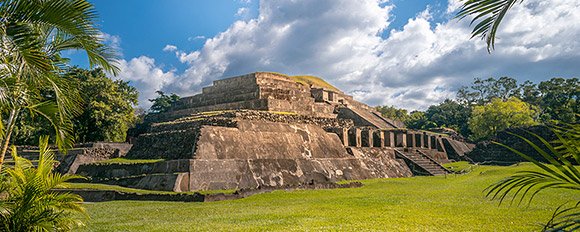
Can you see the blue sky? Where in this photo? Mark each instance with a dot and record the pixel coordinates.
(404, 53)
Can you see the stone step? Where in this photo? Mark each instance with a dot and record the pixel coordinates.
(425, 163)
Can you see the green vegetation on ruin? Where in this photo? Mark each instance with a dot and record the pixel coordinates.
(312, 80)
(307, 80)
(434, 203)
(123, 160)
(280, 112)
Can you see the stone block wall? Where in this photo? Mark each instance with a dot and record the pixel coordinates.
(179, 139)
(255, 91)
(117, 170)
(274, 92)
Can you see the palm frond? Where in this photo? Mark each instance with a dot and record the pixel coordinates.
(489, 13)
(60, 122)
(560, 174)
(565, 218)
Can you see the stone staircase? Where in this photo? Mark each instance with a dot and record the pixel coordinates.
(421, 164)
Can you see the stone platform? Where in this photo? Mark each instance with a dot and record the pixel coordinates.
(243, 149)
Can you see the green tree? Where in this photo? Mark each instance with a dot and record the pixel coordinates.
(450, 114)
(530, 93)
(489, 13)
(29, 204)
(499, 115)
(417, 120)
(481, 92)
(108, 106)
(162, 103)
(558, 99)
(29, 129)
(33, 33)
(392, 112)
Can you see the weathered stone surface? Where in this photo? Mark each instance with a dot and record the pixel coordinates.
(254, 153)
(176, 182)
(79, 156)
(116, 170)
(382, 160)
(70, 163)
(457, 149)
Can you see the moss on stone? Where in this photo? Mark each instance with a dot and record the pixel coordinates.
(307, 80)
(312, 80)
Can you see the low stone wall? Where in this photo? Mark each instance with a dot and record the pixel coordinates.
(113, 170)
(175, 182)
(70, 163)
(487, 152)
(120, 148)
(229, 119)
(96, 195)
(79, 156)
(179, 144)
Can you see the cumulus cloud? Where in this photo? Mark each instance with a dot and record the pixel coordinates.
(146, 76)
(169, 48)
(340, 41)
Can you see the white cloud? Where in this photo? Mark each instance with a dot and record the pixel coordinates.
(339, 40)
(195, 37)
(113, 41)
(144, 75)
(243, 13)
(169, 48)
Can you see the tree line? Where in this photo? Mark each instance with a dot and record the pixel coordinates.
(109, 109)
(487, 106)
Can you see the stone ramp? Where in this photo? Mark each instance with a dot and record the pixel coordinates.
(362, 117)
(422, 164)
(457, 149)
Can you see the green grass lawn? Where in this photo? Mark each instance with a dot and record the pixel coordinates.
(452, 203)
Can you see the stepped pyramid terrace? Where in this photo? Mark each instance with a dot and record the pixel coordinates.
(269, 129)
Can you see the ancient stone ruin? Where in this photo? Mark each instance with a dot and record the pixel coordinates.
(269, 129)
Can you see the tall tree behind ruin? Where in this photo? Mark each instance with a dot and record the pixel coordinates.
(33, 34)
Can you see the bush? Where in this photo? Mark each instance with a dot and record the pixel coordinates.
(28, 204)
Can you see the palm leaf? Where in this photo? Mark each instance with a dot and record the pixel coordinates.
(30, 205)
(489, 13)
(562, 174)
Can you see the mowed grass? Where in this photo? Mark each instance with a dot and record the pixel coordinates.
(452, 203)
